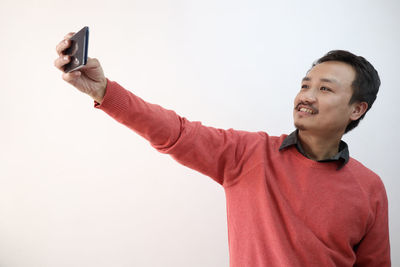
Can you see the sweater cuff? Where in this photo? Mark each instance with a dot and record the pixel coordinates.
(114, 98)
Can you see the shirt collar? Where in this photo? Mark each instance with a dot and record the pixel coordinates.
(342, 156)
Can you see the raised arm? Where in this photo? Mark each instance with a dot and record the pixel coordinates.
(220, 154)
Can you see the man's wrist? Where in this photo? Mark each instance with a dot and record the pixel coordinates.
(101, 92)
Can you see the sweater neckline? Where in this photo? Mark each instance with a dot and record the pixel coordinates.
(312, 163)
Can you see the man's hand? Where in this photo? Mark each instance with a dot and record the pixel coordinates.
(89, 79)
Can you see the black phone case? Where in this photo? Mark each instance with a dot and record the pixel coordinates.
(78, 50)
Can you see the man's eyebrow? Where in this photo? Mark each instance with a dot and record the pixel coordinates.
(306, 79)
(329, 80)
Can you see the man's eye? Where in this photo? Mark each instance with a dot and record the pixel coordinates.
(304, 86)
(323, 88)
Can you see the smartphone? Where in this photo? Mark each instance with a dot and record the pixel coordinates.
(78, 50)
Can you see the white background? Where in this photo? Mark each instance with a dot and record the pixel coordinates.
(79, 189)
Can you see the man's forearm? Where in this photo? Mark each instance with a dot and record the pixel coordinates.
(161, 127)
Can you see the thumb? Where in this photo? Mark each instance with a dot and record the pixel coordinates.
(92, 63)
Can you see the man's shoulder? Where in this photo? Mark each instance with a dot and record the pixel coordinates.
(258, 142)
(358, 168)
(367, 178)
(273, 141)
(261, 135)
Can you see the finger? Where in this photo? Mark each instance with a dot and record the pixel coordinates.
(64, 44)
(61, 61)
(71, 76)
(69, 35)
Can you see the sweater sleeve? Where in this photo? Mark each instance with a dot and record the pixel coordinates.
(374, 249)
(216, 153)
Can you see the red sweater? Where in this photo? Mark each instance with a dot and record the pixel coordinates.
(283, 208)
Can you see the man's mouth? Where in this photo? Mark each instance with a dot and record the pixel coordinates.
(306, 109)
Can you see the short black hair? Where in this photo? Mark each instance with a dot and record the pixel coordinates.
(366, 82)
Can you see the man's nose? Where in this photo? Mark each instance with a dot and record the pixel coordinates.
(309, 96)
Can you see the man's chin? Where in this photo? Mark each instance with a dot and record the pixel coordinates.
(300, 126)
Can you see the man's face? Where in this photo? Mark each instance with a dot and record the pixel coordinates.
(322, 104)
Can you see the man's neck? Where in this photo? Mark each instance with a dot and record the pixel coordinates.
(319, 147)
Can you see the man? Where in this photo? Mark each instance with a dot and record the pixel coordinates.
(292, 200)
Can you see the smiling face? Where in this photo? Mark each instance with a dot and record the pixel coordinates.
(322, 104)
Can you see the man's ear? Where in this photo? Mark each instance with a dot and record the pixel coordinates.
(359, 108)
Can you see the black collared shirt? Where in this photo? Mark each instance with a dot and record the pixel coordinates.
(342, 156)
